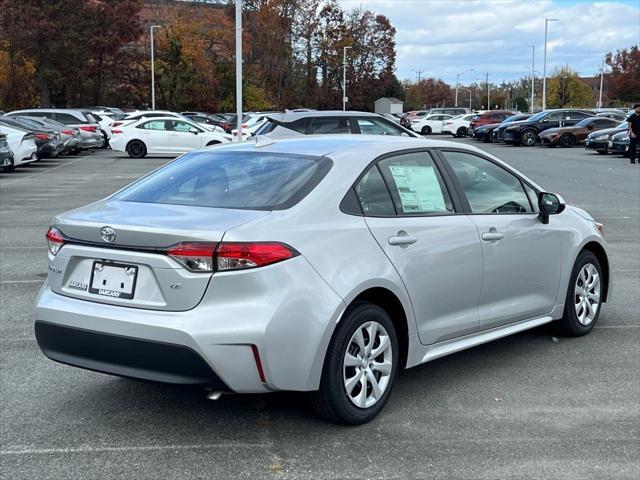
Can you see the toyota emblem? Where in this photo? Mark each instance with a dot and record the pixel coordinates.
(108, 234)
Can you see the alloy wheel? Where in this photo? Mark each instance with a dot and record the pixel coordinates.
(528, 139)
(367, 364)
(587, 294)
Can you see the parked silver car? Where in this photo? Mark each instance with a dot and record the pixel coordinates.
(90, 134)
(320, 264)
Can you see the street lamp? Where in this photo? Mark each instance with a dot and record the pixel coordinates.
(533, 75)
(239, 69)
(458, 82)
(344, 77)
(562, 102)
(466, 89)
(544, 70)
(153, 73)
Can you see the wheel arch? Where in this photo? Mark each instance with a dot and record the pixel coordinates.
(600, 253)
(390, 303)
(130, 141)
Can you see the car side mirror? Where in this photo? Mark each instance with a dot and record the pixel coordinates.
(193, 130)
(545, 120)
(549, 204)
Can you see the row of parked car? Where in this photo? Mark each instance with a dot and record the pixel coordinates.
(603, 130)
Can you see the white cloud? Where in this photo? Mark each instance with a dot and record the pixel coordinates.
(443, 38)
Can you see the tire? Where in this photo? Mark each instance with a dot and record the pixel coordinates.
(461, 132)
(578, 319)
(136, 149)
(602, 152)
(105, 139)
(426, 130)
(567, 140)
(8, 168)
(528, 138)
(332, 401)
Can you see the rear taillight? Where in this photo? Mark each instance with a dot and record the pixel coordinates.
(236, 256)
(194, 256)
(116, 124)
(88, 128)
(226, 256)
(114, 131)
(55, 240)
(67, 132)
(42, 136)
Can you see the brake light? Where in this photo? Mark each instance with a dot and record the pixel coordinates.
(42, 136)
(194, 256)
(67, 132)
(237, 256)
(88, 128)
(116, 131)
(226, 256)
(55, 240)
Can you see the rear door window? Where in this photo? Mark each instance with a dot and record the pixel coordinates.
(238, 180)
(330, 125)
(65, 118)
(155, 125)
(416, 185)
(373, 194)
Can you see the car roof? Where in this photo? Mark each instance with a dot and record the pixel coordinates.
(290, 117)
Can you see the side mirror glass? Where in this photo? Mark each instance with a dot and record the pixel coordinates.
(193, 130)
(549, 204)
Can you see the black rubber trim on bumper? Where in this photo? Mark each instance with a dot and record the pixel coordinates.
(125, 356)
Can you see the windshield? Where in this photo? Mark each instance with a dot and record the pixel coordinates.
(242, 180)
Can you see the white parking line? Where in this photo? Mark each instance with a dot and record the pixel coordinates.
(135, 448)
(617, 326)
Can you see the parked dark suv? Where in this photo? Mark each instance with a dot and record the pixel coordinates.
(526, 132)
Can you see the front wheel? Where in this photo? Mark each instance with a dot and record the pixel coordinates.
(136, 149)
(584, 296)
(360, 367)
(528, 138)
(567, 140)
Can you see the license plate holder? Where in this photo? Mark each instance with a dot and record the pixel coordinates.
(115, 280)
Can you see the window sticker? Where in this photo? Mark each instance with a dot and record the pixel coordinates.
(418, 187)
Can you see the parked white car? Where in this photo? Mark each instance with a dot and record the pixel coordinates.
(429, 124)
(105, 120)
(457, 126)
(164, 135)
(22, 144)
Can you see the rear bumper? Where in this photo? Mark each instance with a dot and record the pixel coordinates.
(125, 356)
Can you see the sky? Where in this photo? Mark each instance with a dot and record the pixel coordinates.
(446, 37)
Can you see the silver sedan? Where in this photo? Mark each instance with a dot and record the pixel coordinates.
(318, 264)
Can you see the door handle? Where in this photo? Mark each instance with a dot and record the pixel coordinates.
(402, 239)
(492, 236)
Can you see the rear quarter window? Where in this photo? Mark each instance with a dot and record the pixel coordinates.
(237, 180)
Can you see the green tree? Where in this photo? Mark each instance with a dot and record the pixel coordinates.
(566, 89)
(521, 104)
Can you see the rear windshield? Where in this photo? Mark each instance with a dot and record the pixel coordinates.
(241, 180)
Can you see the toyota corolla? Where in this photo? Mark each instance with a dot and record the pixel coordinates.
(320, 264)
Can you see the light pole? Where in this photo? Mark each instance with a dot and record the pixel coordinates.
(544, 69)
(562, 101)
(239, 69)
(466, 89)
(344, 77)
(153, 72)
(458, 82)
(533, 75)
(486, 76)
(601, 82)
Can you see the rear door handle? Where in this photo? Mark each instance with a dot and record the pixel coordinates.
(402, 240)
(492, 236)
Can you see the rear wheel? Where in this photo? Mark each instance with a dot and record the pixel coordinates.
(360, 367)
(528, 138)
(584, 296)
(462, 132)
(136, 149)
(567, 140)
(8, 168)
(426, 130)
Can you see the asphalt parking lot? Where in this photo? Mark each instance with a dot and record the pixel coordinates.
(528, 406)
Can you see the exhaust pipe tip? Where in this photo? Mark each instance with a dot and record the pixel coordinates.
(215, 395)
